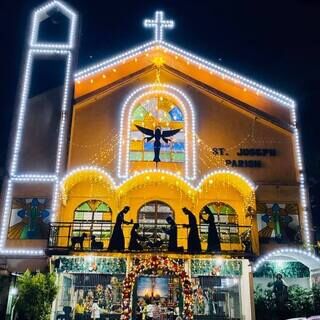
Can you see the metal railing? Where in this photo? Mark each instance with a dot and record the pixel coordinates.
(70, 235)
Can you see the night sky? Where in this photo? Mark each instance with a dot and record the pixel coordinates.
(276, 43)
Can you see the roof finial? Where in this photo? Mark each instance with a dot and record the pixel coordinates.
(158, 23)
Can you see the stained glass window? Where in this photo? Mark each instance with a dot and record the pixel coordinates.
(94, 218)
(152, 219)
(151, 114)
(226, 221)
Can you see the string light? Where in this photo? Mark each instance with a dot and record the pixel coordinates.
(189, 115)
(37, 49)
(158, 24)
(285, 251)
(40, 14)
(194, 187)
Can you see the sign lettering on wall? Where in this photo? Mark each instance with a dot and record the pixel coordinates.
(245, 153)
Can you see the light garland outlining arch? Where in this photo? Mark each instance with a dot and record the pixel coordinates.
(36, 49)
(189, 116)
(196, 187)
(289, 252)
(190, 189)
(154, 264)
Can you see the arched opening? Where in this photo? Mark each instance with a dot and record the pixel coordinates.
(152, 220)
(152, 113)
(226, 220)
(154, 266)
(163, 108)
(287, 283)
(93, 217)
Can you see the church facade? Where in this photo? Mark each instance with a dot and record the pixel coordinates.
(152, 177)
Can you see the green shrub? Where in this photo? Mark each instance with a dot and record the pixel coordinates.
(36, 294)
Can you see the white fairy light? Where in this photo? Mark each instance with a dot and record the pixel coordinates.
(212, 68)
(158, 24)
(284, 251)
(43, 49)
(189, 116)
(192, 185)
(40, 14)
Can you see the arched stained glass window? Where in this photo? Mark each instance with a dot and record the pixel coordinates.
(226, 220)
(94, 218)
(152, 219)
(157, 112)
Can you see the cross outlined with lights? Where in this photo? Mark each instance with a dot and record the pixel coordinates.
(158, 23)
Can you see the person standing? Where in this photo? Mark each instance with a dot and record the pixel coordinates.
(213, 237)
(95, 310)
(194, 244)
(117, 238)
(156, 311)
(149, 311)
(79, 310)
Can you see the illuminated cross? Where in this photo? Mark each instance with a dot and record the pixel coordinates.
(158, 23)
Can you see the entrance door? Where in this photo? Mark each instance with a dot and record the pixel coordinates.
(157, 295)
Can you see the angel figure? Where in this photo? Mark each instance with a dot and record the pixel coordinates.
(157, 135)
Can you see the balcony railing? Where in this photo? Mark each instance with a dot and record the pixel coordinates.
(63, 235)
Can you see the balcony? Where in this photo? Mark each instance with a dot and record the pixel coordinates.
(235, 240)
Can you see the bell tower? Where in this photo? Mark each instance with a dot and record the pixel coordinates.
(40, 131)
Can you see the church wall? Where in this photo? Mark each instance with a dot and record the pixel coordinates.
(40, 133)
(219, 125)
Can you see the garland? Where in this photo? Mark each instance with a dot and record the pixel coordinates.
(154, 265)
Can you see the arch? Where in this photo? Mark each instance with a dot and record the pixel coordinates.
(84, 173)
(153, 176)
(229, 177)
(93, 217)
(189, 116)
(305, 257)
(152, 265)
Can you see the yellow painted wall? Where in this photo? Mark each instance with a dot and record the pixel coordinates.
(219, 124)
(141, 190)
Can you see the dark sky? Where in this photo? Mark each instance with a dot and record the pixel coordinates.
(273, 42)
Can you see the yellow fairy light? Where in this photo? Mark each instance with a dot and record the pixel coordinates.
(158, 61)
(91, 80)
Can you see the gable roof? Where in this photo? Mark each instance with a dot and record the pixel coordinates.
(201, 63)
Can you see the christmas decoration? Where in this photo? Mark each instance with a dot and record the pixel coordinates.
(156, 265)
(215, 267)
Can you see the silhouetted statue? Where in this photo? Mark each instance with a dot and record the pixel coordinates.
(280, 290)
(213, 237)
(173, 234)
(157, 135)
(135, 239)
(117, 239)
(194, 244)
(78, 240)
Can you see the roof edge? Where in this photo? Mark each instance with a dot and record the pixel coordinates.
(201, 62)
